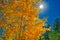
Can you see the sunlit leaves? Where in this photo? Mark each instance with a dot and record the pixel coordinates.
(22, 22)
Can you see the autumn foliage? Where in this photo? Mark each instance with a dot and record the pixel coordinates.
(21, 19)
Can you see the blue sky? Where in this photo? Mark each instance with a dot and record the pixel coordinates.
(53, 11)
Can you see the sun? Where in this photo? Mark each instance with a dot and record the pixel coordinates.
(41, 6)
